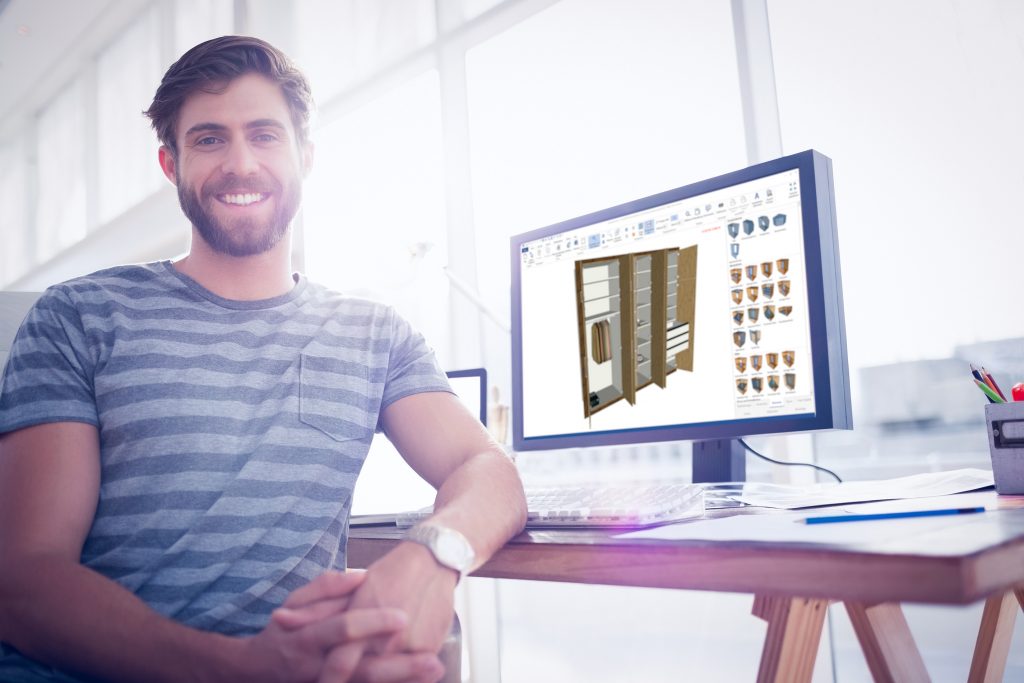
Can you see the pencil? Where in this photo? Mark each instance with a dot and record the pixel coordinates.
(993, 397)
(991, 381)
(977, 375)
(892, 515)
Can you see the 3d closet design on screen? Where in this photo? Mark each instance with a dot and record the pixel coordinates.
(636, 327)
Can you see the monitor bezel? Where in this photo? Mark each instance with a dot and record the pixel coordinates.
(827, 325)
(481, 375)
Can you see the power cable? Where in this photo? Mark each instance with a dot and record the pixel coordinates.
(789, 464)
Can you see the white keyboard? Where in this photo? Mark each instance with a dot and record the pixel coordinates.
(613, 504)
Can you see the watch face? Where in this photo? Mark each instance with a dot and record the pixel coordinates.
(453, 549)
(449, 547)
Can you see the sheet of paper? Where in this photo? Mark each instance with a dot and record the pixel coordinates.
(960, 500)
(790, 528)
(915, 486)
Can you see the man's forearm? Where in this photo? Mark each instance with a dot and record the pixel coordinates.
(478, 494)
(483, 498)
(65, 615)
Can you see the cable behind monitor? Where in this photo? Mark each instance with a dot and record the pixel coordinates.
(789, 464)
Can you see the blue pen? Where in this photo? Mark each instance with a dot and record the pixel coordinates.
(893, 515)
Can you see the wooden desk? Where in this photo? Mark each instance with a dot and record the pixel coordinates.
(974, 557)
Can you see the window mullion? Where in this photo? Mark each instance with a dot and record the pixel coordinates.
(757, 80)
(90, 144)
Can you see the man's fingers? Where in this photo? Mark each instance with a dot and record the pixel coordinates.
(330, 584)
(421, 667)
(341, 663)
(356, 624)
(291, 618)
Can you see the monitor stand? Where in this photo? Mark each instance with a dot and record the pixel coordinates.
(719, 460)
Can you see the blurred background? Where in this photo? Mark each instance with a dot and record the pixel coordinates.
(445, 126)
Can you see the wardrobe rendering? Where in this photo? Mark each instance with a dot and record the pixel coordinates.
(636, 328)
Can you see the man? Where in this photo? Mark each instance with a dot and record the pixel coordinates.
(180, 440)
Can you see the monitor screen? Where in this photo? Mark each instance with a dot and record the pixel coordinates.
(710, 311)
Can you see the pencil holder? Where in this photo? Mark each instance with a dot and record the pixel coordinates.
(1005, 423)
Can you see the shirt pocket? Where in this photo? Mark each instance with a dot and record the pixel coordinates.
(336, 397)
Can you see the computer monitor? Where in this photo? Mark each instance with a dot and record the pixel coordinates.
(471, 388)
(704, 313)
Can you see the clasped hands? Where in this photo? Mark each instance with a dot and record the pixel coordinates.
(384, 625)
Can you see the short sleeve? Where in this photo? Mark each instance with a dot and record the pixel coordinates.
(412, 366)
(48, 376)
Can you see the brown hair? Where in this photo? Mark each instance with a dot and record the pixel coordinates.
(210, 66)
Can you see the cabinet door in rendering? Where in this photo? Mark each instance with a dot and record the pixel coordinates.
(599, 307)
(635, 322)
(680, 324)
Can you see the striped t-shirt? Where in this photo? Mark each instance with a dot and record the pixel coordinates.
(231, 432)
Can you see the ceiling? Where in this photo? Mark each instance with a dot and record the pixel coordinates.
(45, 43)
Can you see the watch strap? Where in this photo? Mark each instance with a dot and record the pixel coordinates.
(430, 536)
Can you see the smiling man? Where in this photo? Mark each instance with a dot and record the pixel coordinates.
(255, 190)
(179, 441)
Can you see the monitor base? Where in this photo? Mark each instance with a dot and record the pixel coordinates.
(719, 460)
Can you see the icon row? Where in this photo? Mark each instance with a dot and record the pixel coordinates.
(757, 383)
(763, 222)
(767, 291)
(772, 359)
(736, 274)
(753, 314)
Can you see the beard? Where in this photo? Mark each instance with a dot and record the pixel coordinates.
(243, 236)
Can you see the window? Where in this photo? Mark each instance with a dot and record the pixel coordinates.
(15, 257)
(199, 20)
(364, 36)
(473, 8)
(374, 215)
(921, 186)
(60, 202)
(127, 73)
(926, 163)
(590, 104)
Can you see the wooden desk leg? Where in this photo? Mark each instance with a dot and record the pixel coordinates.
(887, 642)
(791, 644)
(994, 637)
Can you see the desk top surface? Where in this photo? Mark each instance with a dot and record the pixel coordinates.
(951, 560)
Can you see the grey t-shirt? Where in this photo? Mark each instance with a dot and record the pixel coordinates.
(231, 432)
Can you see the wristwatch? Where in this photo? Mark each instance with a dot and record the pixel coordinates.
(450, 548)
